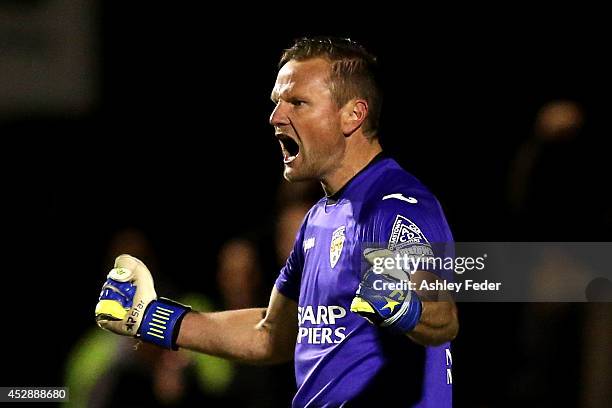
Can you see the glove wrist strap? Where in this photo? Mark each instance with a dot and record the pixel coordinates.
(162, 321)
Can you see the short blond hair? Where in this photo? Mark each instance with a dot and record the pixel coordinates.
(354, 72)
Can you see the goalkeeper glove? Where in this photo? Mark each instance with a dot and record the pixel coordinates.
(128, 305)
(384, 298)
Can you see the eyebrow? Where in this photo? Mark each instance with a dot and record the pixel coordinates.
(288, 93)
(275, 95)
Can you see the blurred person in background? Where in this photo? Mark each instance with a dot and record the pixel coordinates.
(243, 284)
(537, 175)
(560, 346)
(100, 363)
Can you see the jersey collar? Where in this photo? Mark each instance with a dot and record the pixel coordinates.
(333, 199)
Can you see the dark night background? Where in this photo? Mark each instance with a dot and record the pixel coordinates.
(176, 143)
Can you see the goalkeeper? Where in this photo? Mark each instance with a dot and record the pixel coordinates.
(346, 335)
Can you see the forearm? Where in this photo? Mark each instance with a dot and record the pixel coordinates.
(438, 324)
(258, 336)
(242, 335)
(128, 305)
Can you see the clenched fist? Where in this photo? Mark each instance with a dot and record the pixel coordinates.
(128, 305)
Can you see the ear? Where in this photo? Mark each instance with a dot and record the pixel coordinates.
(353, 114)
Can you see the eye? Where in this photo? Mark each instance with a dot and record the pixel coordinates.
(298, 102)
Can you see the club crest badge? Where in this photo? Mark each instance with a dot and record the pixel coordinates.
(337, 242)
(404, 233)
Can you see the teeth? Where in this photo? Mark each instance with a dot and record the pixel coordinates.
(287, 158)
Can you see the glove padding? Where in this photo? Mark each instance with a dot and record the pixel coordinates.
(398, 309)
(125, 296)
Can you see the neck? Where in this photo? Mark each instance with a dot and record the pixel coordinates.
(356, 158)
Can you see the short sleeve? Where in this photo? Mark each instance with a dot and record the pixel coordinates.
(413, 226)
(290, 276)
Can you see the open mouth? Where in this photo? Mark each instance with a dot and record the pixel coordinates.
(289, 147)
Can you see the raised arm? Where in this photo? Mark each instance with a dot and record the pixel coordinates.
(128, 305)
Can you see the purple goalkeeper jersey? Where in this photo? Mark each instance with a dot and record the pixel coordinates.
(340, 358)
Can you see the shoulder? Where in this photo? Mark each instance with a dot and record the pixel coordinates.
(311, 216)
(314, 211)
(397, 190)
(398, 202)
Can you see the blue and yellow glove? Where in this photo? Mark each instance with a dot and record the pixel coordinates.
(128, 305)
(385, 298)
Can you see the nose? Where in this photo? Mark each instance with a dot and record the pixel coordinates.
(278, 117)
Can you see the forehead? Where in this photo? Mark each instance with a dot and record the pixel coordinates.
(305, 76)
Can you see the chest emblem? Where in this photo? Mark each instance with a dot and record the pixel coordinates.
(337, 242)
